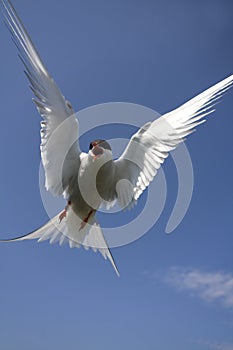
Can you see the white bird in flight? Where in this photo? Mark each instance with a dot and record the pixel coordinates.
(88, 180)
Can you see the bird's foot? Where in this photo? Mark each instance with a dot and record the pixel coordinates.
(84, 222)
(63, 213)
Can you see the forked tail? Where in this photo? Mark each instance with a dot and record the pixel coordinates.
(68, 231)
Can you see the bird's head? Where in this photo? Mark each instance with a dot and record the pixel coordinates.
(100, 148)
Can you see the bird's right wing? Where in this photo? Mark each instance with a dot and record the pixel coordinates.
(59, 128)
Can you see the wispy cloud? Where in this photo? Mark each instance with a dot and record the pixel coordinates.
(220, 346)
(209, 286)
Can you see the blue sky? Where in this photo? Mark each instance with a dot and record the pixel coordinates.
(175, 292)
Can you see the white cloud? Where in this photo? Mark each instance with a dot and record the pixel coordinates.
(210, 286)
(221, 346)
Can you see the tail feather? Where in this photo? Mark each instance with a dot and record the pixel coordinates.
(68, 230)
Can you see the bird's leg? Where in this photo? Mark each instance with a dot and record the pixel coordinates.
(63, 213)
(85, 220)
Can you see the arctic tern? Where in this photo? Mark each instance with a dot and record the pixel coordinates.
(88, 180)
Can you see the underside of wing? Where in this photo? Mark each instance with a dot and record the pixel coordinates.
(150, 146)
(59, 128)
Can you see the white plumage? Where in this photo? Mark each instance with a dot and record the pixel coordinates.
(90, 180)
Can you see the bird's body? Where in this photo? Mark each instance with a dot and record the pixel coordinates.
(91, 174)
(93, 184)
(89, 180)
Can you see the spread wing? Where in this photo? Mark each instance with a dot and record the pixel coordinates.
(59, 128)
(150, 146)
(67, 231)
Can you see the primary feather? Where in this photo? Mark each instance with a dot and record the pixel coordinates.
(150, 146)
(59, 124)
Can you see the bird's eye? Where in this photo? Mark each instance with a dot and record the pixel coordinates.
(91, 146)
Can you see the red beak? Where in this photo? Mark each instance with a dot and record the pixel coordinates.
(97, 151)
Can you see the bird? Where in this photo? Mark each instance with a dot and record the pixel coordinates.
(89, 180)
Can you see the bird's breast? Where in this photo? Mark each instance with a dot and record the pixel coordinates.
(94, 180)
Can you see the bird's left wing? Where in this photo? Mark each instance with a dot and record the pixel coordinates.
(150, 146)
(59, 128)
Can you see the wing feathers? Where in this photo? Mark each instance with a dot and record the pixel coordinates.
(50, 103)
(150, 146)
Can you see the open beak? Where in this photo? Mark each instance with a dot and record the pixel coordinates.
(97, 151)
